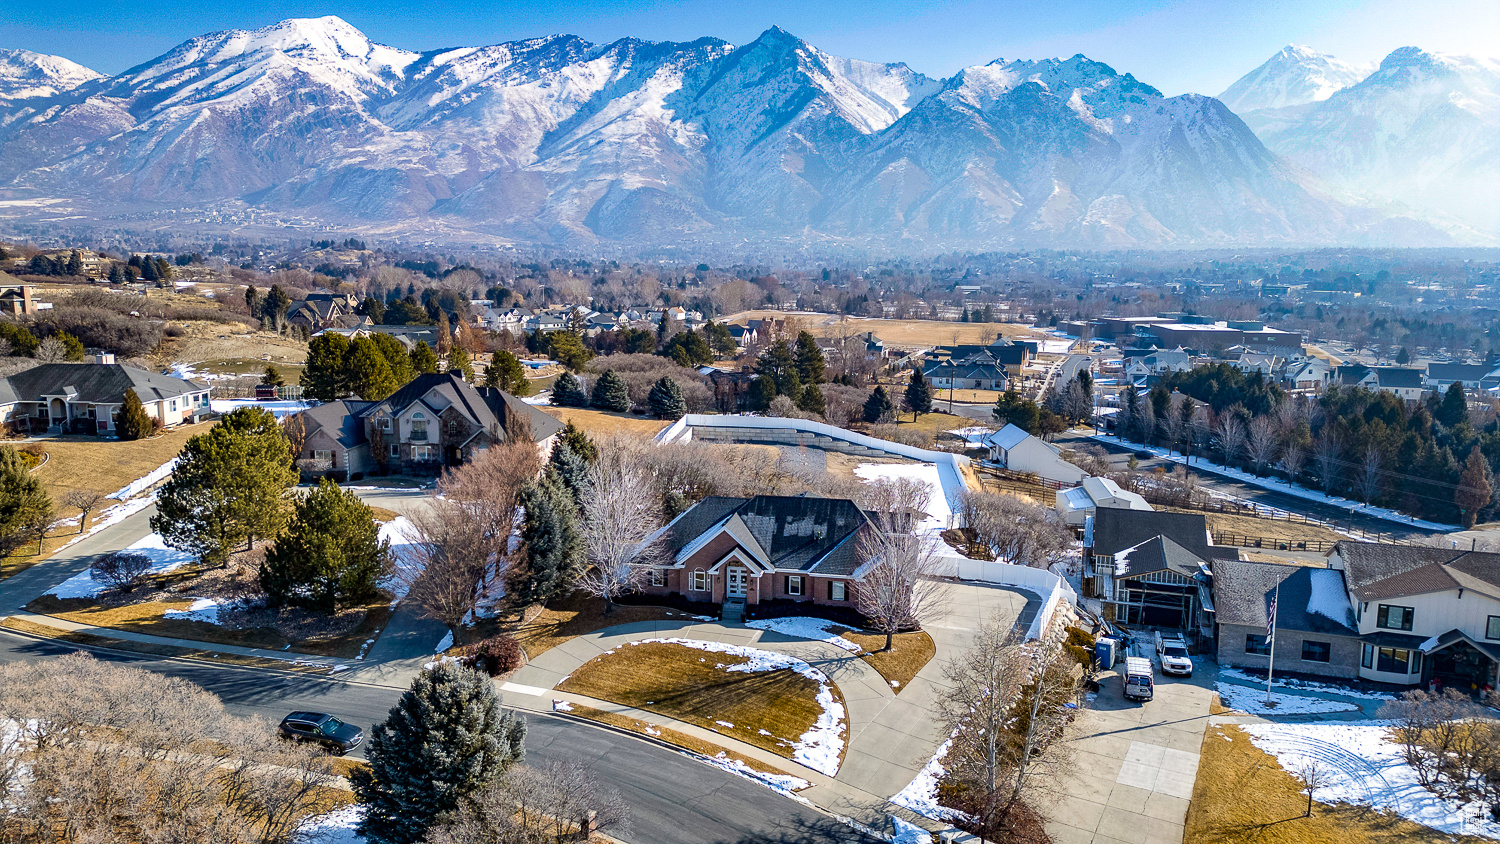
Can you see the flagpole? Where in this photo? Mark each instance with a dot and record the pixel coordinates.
(1271, 640)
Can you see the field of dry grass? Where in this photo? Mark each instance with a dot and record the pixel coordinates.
(605, 422)
(908, 654)
(1242, 796)
(768, 709)
(577, 614)
(216, 345)
(1274, 528)
(906, 333)
(22, 625)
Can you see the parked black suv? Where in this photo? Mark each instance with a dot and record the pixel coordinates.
(323, 729)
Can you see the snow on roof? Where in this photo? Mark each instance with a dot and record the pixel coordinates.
(1007, 438)
(1328, 596)
(1076, 499)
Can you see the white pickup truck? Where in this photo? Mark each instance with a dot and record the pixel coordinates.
(1173, 653)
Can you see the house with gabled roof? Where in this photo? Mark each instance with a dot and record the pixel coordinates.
(86, 398)
(1014, 449)
(1315, 630)
(749, 551)
(435, 421)
(1152, 567)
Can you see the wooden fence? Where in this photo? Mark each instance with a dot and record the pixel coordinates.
(1274, 543)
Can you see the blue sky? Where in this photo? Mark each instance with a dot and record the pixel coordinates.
(1178, 46)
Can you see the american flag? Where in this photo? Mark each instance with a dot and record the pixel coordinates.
(1271, 621)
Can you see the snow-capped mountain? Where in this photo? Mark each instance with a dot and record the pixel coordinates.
(25, 75)
(558, 140)
(1293, 76)
(1423, 129)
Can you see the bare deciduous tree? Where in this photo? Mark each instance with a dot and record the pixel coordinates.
(1293, 459)
(1314, 775)
(1369, 474)
(1231, 434)
(621, 516)
(897, 589)
(561, 801)
(85, 501)
(120, 570)
(294, 428)
(1261, 442)
(1005, 708)
(50, 350)
(486, 487)
(1327, 451)
(1015, 529)
(454, 553)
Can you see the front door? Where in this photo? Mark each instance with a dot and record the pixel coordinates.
(738, 580)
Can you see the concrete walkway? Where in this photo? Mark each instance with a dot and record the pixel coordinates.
(890, 736)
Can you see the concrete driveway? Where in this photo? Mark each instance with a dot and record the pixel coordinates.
(1134, 764)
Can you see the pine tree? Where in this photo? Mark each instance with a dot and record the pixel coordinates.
(506, 372)
(779, 363)
(324, 376)
(579, 442)
(610, 392)
(446, 739)
(666, 400)
(369, 375)
(252, 299)
(567, 348)
(272, 377)
(762, 393)
(810, 362)
(571, 470)
(274, 307)
(459, 363)
(811, 400)
(229, 486)
(25, 509)
(878, 406)
(423, 359)
(554, 553)
(75, 263)
(567, 392)
(918, 394)
(1475, 488)
(134, 423)
(330, 555)
(1454, 407)
(396, 357)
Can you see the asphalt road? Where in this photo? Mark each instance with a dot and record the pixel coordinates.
(676, 800)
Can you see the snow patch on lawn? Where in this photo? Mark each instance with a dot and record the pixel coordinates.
(804, 627)
(335, 828)
(1253, 702)
(405, 557)
(140, 485)
(939, 514)
(920, 795)
(1304, 685)
(821, 746)
(204, 609)
(1364, 768)
(163, 559)
(972, 435)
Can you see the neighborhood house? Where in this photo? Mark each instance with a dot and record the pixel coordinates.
(85, 398)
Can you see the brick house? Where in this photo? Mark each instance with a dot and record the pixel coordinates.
(435, 421)
(766, 548)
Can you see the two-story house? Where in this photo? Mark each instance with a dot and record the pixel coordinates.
(1152, 567)
(1315, 630)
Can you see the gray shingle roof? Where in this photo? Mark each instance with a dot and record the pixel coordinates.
(1158, 554)
(489, 408)
(1115, 529)
(797, 533)
(1458, 371)
(1243, 590)
(97, 383)
(340, 419)
(1376, 570)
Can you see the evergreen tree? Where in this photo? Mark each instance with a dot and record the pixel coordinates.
(567, 348)
(117, 274)
(779, 363)
(687, 349)
(396, 357)
(25, 509)
(719, 339)
(252, 300)
(1014, 409)
(324, 376)
(579, 442)
(1475, 488)
(369, 375)
(762, 393)
(918, 394)
(133, 423)
(72, 347)
(666, 400)
(571, 469)
(148, 269)
(567, 392)
(75, 263)
(610, 393)
(965, 317)
(810, 362)
(423, 359)
(506, 372)
(878, 407)
(274, 307)
(229, 486)
(1403, 357)
(272, 378)
(330, 555)
(811, 400)
(372, 308)
(1454, 407)
(554, 553)
(446, 739)
(458, 361)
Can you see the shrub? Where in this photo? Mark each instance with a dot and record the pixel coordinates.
(495, 656)
(904, 435)
(120, 570)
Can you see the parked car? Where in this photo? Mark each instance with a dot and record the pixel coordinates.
(323, 729)
(1173, 653)
(1143, 454)
(1139, 684)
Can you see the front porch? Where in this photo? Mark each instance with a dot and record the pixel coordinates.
(1457, 661)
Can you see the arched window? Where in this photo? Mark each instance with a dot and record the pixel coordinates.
(700, 580)
(418, 427)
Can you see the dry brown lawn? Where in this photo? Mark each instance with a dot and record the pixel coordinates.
(908, 654)
(689, 685)
(606, 422)
(1242, 796)
(672, 737)
(577, 614)
(1273, 528)
(212, 343)
(22, 625)
(898, 332)
(844, 465)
